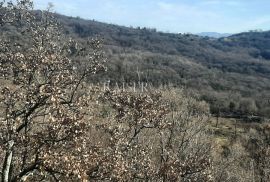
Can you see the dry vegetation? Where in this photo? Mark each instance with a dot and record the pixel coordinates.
(231, 74)
(54, 126)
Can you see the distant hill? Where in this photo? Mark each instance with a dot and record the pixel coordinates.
(231, 73)
(214, 34)
(257, 42)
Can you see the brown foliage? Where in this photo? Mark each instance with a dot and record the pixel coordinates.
(42, 120)
(52, 126)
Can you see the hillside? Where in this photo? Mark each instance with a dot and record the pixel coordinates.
(214, 34)
(232, 73)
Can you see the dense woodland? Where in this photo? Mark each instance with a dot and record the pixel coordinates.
(232, 73)
(58, 123)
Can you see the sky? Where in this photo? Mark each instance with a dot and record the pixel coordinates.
(176, 16)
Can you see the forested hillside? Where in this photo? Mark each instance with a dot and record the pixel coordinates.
(58, 122)
(232, 73)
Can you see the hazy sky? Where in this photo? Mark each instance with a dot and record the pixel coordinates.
(228, 16)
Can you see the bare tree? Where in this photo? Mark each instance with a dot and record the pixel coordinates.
(259, 151)
(42, 121)
(185, 145)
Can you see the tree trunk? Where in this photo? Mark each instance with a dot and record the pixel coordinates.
(235, 129)
(7, 162)
(217, 120)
